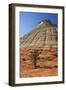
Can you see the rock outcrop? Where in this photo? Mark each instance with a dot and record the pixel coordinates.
(43, 35)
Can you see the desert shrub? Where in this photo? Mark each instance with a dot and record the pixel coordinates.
(34, 56)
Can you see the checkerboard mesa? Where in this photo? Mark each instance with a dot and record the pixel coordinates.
(44, 35)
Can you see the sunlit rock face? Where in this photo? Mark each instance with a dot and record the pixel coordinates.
(43, 40)
(42, 36)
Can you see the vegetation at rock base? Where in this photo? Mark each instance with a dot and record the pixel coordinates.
(34, 57)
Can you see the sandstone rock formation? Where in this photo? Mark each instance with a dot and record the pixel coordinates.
(43, 35)
(42, 38)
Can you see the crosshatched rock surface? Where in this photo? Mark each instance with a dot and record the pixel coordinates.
(43, 35)
(42, 38)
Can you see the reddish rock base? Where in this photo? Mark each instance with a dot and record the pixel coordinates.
(47, 63)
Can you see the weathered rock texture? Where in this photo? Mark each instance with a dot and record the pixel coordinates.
(43, 35)
(43, 38)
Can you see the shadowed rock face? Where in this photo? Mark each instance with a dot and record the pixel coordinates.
(43, 35)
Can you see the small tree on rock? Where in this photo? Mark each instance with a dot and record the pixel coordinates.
(34, 57)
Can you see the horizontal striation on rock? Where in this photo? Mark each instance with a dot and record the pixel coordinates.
(43, 35)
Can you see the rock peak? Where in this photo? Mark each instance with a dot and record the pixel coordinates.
(44, 35)
(46, 22)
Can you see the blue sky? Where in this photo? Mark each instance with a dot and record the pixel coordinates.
(28, 20)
